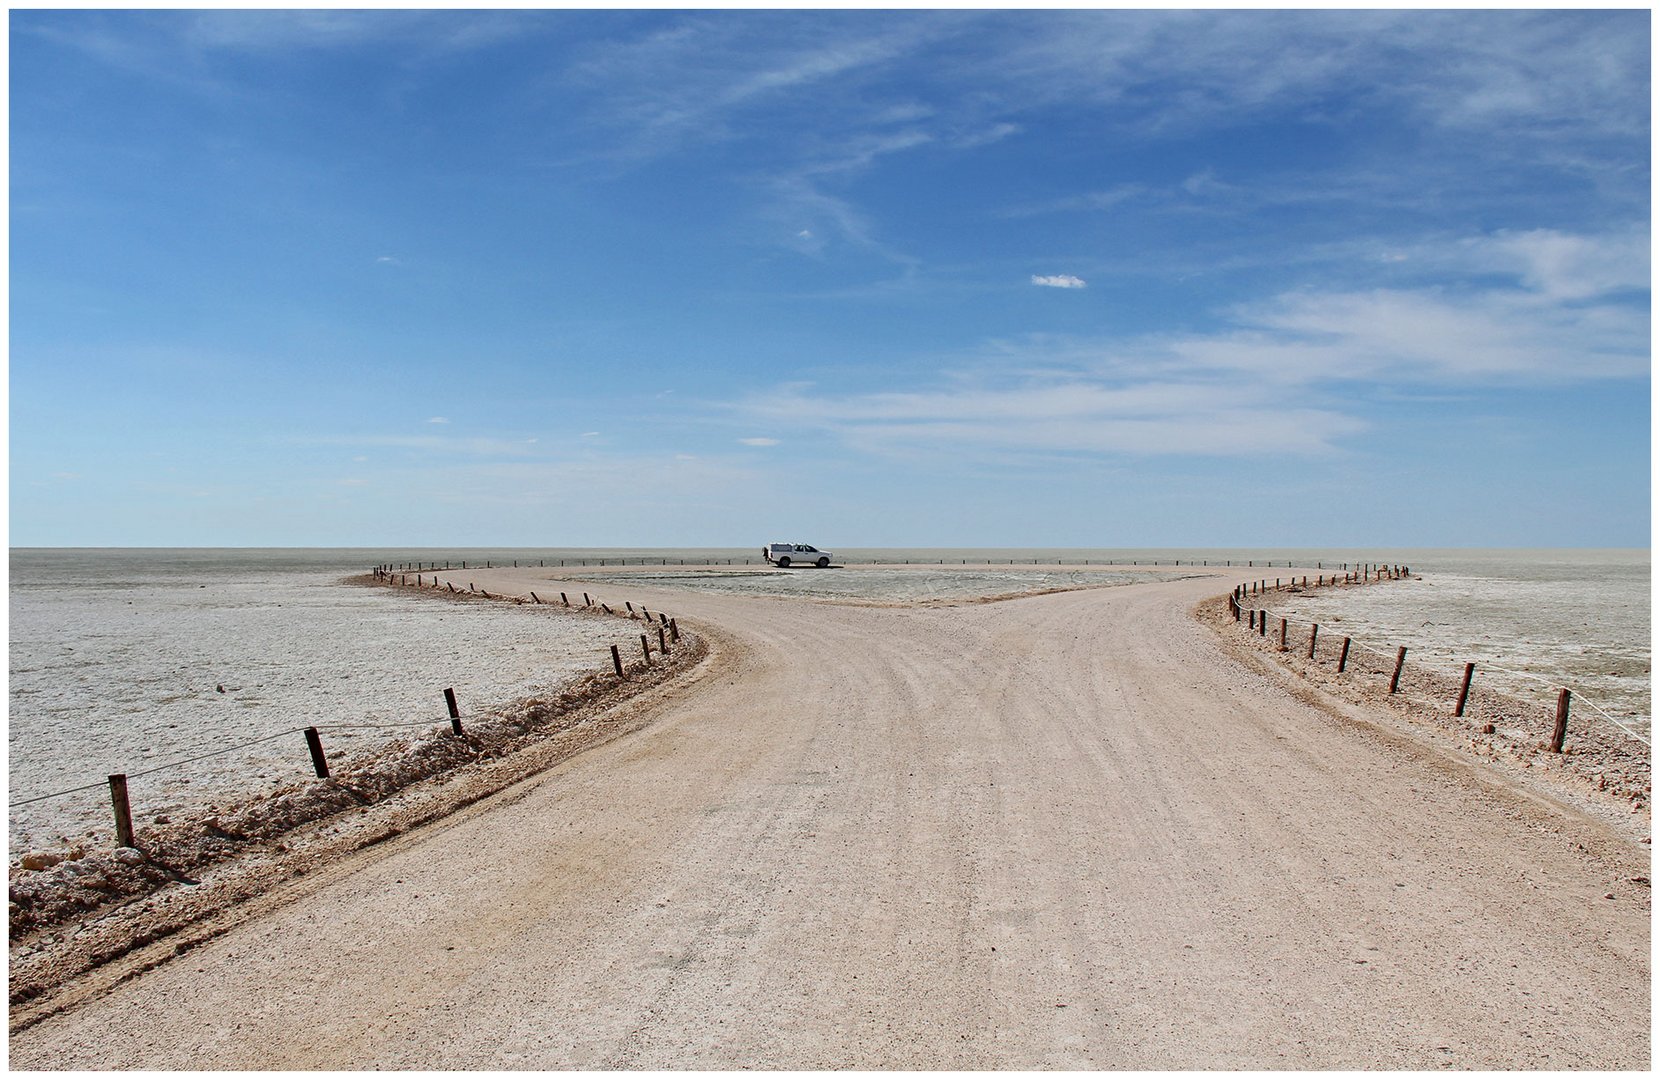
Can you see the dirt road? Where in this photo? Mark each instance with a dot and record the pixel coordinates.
(1066, 831)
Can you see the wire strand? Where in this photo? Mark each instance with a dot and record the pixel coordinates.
(1578, 696)
(53, 795)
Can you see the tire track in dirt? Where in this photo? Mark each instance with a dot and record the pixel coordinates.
(1058, 832)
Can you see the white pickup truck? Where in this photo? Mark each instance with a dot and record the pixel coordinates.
(803, 554)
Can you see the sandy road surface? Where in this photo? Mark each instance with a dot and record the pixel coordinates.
(1063, 831)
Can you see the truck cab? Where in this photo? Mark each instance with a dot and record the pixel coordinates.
(784, 555)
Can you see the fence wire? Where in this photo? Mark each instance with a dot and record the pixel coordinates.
(221, 751)
(1264, 613)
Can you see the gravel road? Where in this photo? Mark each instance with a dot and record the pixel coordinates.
(1066, 831)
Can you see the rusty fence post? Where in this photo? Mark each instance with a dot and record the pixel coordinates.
(1400, 659)
(1313, 632)
(1343, 657)
(616, 661)
(123, 811)
(319, 763)
(1464, 690)
(1561, 730)
(455, 713)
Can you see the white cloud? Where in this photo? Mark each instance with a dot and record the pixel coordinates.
(438, 420)
(986, 136)
(759, 441)
(1059, 281)
(1290, 373)
(1564, 266)
(1089, 200)
(1066, 415)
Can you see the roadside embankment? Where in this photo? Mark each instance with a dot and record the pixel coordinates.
(1601, 767)
(75, 909)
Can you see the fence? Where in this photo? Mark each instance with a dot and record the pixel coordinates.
(1363, 660)
(666, 632)
(489, 564)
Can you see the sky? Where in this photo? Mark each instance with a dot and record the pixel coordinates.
(1085, 278)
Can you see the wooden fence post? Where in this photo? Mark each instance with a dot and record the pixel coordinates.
(1343, 658)
(1400, 659)
(663, 640)
(563, 599)
(1313, 632)
(123, 811)
(1282, 636)
(318, 762)
(1464, 690)
(455, 713)
(616, 661)
(674, 631)
(1561, 731)
(534, 598)
(645, 647)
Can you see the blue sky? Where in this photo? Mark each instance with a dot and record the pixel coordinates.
(1071, 278)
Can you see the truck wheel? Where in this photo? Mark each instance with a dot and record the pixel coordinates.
(823, 562)
(783, 560)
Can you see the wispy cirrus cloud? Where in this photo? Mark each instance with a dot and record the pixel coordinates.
(1285, 374)
(1567, 266)
(1059, 281)
(187, 49)
(986, 417)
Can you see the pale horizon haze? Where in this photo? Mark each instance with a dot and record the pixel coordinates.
(976, 278)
